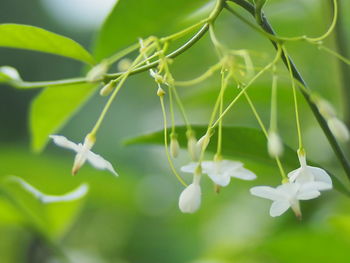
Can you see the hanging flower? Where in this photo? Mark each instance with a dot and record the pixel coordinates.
(307, 174)
(83, 153)
(190, 198)
(286, 196)
(221, 171)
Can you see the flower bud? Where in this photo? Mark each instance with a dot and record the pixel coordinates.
(174, 145)
(192, 145)
(160, 92)
(107, 89)
(274, 144)
(190, 198)
(339, 129)
(124, 64)
(203, 142)
(8, 73)
(97, 72)
(325, 108)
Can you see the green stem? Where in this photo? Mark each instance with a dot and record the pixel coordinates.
(322, 122)
(342, 48)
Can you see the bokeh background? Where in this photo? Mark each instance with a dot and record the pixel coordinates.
(135, 218)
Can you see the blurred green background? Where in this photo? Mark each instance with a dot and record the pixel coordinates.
(135, 218)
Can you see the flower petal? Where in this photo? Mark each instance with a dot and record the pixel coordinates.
(64, 142)
(242, 173)
(319, 186)
(308, 195)
(293, 175)
(100, 163)
(266, 192)
(220, 178)
(279, 207)
(189, 168)
(230, 165)
(320, 175)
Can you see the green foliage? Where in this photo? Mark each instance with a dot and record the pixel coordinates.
(132, 19)
(52, 109)
(34, 38)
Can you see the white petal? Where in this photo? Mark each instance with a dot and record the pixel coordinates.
(100, 163)
(266, 192)
(242, 173)
(319, 186)
(308, 195)
(288, 190)
(74, 195)
(190, 168)
(190, 199)
(293, 175)
(279, 207)
(64, 142)
(220, 178)
(230, 165)
(320, 175)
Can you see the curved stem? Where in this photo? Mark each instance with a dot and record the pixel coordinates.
(322, 122)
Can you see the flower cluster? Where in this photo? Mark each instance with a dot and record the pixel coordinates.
(304, 183)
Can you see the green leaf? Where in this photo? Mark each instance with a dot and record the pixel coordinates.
(50, 214)
(238, 143)
(132, 19)
(53, 107)
(37, 39)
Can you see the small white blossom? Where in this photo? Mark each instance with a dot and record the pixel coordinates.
(286, 196)
(307, 174)
(274, 144)
(190, 198)
(221, 171)
(83, 154)
(339, 129)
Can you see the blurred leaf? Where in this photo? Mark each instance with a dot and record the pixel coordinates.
(34, 38)
(51, 215)
(53, 107)
(132, 19)
(238, 142)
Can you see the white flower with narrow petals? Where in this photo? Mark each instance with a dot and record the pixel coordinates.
(83, 154)
(221, 171)
(307, 174)
(190, 198)
(286, 196)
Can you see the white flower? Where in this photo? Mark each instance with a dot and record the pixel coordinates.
(83, 154)
(307, 174)
(76, 194)
(220, 172)
(339, 129)
(274, 144)
(286, 196)
(190, 198)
